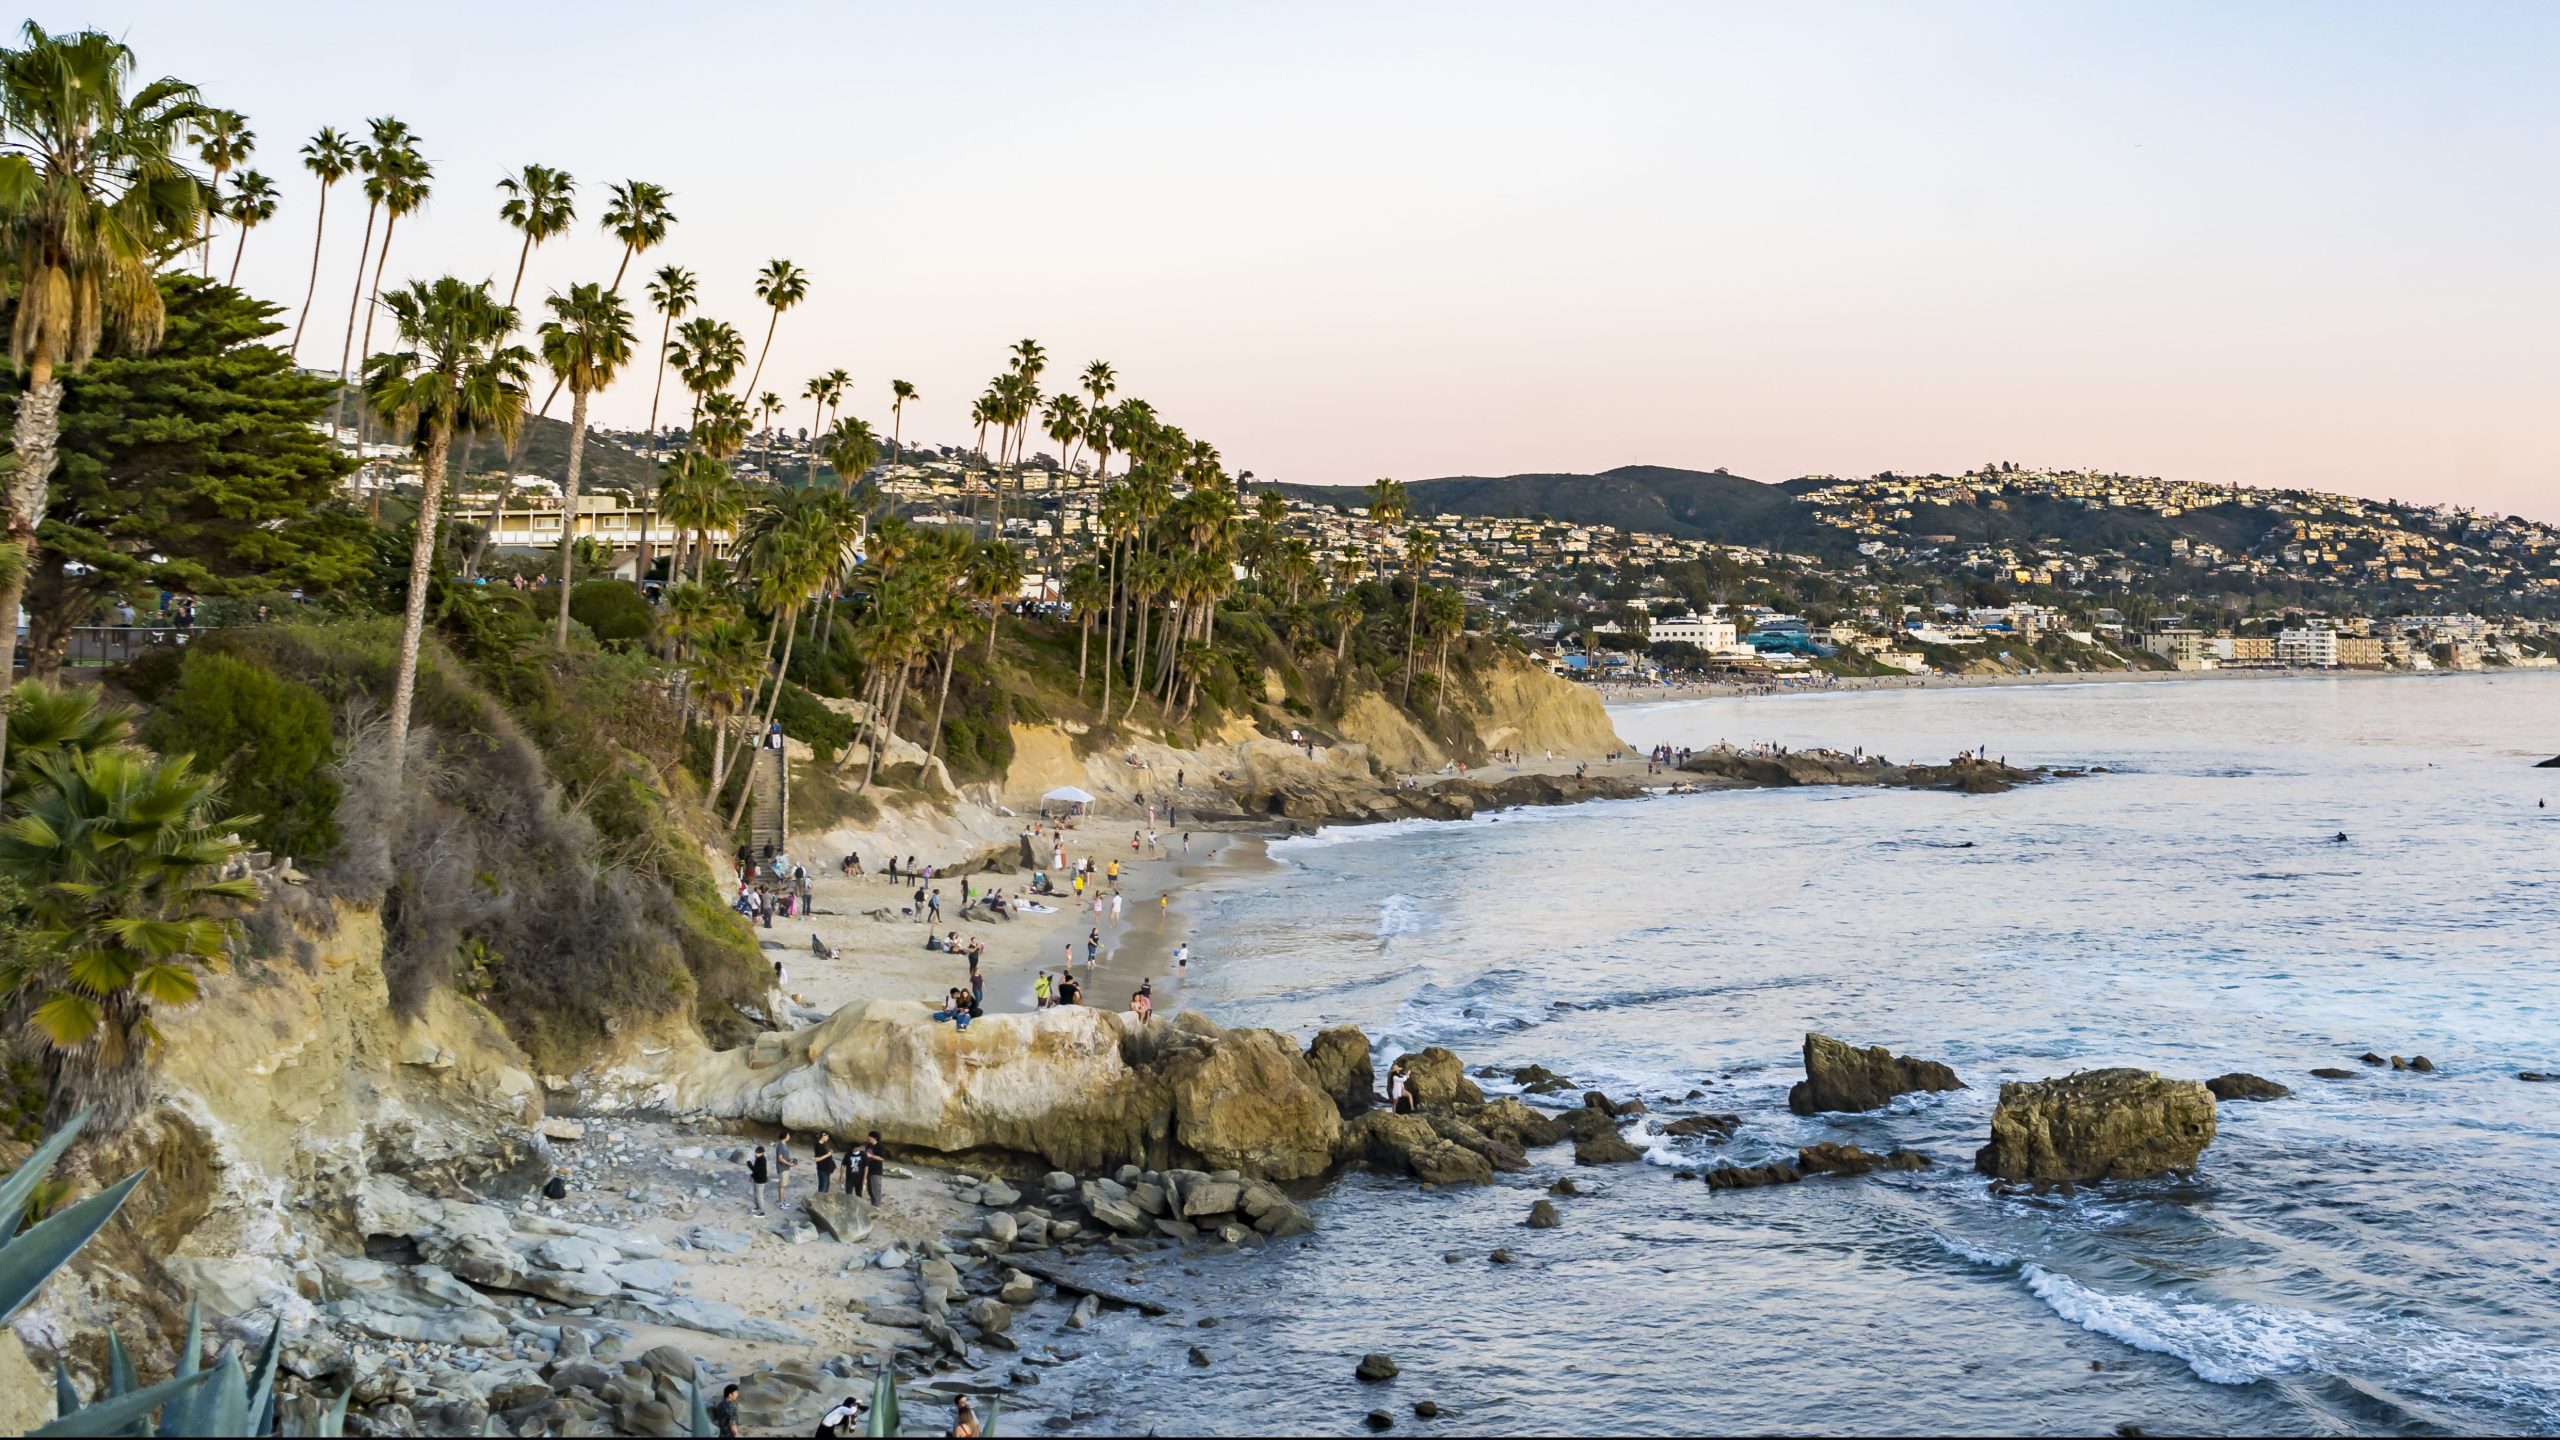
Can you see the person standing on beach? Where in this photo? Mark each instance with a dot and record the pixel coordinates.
(875, 1163)
(759, 1173)
(782, 1167)
(825, 1155)
(1164, 904)
(1040, 992)
(1092, 946)
(1182, 958)
(1115, 905)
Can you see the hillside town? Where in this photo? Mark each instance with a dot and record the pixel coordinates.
(1896, 597)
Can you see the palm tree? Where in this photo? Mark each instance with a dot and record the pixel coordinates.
(329, 157)
(900, 392)
(706, 354)
(694, 496)
(723, 672)
(586, 342)
(821, 392)
(786, 550)
(540, 203)
(671, 293)
(1445, 611)
(852, 448)
(639, 215)
(375, 158)
(780, 285)
(1063, 421)
(94, 197)
(252, 204)
(768, 405)
(994, 578)
(1421, 548)
(119, 856)
(455, 374)
(405, 174)
(1386, 508)
(1085, 591)
(223, 139)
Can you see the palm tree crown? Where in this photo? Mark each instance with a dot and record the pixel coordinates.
(540, 203)
(638, 214)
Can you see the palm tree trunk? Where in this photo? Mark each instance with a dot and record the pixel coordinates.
(719, 754)
(769, 327)
(941, 702)
(790, 627)
(1440, 701)
(1110, 623)
(657, 388)
(380, 259)
(1412, 616)
(618, 270)
(1138, 666)
(888, 717)
(413, 623)
(319, 228)
(524, 252)
(347, 349)
(1084, 642)
(236, 252)
(569, 506)
(36, 438)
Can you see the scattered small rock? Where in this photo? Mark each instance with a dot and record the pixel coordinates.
(1564, 1186)
(2421, 1064)
(1501, 1257)
(2370, 1058)
(1542, 1216)
(1375, 1366)
(1426, 1409)
(2332, 1072)
(1199, 1356)
(1381, 1420)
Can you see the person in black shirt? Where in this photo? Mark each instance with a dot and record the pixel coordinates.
(724, 1415)
(825, 1155)
(873, 1160)
(759, 1174)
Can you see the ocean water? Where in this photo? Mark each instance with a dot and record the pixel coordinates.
(2370, 1256)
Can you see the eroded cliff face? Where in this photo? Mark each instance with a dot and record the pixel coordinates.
(278, 1093)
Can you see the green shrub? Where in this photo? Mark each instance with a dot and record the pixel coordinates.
(804, 719)
(612, 609)
(269, 738)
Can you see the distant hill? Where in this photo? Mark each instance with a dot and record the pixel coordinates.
(1708, 505)
(544, 450)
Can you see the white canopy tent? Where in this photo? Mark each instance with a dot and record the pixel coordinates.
(1068, 795)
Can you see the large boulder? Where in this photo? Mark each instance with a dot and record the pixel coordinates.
(845, 1216)
(1082, 1089)
(1344, 1069)
(1411, 1145)
(2120, 1124)
(1843, 1077)
(1248, 1101)
(1436, 1077)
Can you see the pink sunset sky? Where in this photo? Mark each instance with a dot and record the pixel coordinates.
(2275, 244)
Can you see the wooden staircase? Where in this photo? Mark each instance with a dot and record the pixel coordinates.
(769, 812)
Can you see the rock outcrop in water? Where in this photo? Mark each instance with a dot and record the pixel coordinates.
(2240, 1085)
(1842, 1077)
(1972, 777)
(2120, 1124)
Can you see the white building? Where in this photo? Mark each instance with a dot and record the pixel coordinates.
(2316, 647)
(1711, 633)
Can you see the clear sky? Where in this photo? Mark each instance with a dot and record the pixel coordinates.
(2282, 244)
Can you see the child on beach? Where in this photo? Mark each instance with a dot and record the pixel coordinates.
(1040, 992)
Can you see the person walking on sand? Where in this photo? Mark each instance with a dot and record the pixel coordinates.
(1164, 904)
(783, 1164)
(1182, 958)
(759, 1173)
(825, 1155)
(933, 907)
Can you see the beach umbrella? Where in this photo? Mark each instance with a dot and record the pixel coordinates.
(1070, 795)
